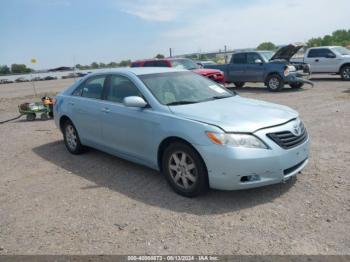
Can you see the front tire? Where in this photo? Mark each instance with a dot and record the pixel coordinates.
(345, 73)
(274, 83)
(185, 170)
(71, 138)
(296, 85)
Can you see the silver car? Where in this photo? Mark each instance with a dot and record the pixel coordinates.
(195, 132)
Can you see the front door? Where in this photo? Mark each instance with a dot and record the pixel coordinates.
(254, 68)
(127, 130)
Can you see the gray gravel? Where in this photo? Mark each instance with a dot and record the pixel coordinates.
(52, 202)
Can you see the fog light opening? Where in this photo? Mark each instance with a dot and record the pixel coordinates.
(245, 179)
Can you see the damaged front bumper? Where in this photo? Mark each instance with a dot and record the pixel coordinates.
(299, 77)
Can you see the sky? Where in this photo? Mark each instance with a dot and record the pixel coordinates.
(68, 32)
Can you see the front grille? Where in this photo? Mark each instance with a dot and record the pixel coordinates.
(287, 140)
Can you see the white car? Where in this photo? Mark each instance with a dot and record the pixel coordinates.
(329, 60)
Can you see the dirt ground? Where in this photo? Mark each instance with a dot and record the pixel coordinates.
(52, 202)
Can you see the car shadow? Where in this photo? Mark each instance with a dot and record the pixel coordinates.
(148, 186)
(326, 79)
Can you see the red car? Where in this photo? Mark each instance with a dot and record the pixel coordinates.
(184, 63)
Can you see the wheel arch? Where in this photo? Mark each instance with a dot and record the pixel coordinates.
(63, 120)
(270, 74)
(343, 65)
(170, 140)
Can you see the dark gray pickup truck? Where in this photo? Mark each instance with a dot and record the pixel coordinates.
(274, 70)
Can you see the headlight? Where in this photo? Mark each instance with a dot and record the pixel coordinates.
(289, 69)
(236, 140)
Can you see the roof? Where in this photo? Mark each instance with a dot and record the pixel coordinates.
(160, 59)
(328, 46)
(143, 70)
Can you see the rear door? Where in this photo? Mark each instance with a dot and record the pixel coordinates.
(85, 106)
(236, 68)
(321, 60)
(254, 68)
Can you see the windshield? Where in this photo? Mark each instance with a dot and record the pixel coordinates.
(184, 64)
(341, 50)
(267, 55)
(178, 88)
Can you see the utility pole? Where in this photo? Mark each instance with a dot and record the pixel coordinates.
(170, 52)
(225, 54)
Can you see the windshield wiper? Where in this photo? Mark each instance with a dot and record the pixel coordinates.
(221, 97)
(184, 102)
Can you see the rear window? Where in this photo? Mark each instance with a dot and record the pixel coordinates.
(239, 58)
(160, 63)
(321, 52)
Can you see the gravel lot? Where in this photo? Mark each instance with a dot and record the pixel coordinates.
(52, 202)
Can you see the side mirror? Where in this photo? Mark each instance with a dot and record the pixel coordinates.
(258, 61)
(330, 55)
(134, 101)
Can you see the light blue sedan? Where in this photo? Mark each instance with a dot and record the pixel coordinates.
(197, 133)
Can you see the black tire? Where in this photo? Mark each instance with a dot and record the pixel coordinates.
(199, 171)
(238, 84)
(77, 148)
(296, 85)
(274, 83)
(31, 116)
(44, 117)
(345, 73)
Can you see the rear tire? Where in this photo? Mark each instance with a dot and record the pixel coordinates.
(185, 170)
(44, 117)
(296, 85)
(274, 83)
(31, 116)
(345, 73)
(71, 138)
(239, 84)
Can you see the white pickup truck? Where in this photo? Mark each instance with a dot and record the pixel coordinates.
(328, 60)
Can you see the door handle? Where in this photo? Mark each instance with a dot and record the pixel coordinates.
(71, 103)
(105, 110)
(316, 60)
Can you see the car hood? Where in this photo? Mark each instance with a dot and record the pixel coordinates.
(204, 72)
(286, 52)
(236, 114)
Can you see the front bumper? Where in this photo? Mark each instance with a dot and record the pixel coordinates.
(299, 77)
(229, 166)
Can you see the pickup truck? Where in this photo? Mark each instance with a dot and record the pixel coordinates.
(328, 59)
(274, 70)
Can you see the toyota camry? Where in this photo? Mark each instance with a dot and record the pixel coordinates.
(198, 134)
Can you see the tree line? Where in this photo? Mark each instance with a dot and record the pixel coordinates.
(338, 37)
(14, 69)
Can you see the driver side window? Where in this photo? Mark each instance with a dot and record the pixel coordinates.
(121, 87)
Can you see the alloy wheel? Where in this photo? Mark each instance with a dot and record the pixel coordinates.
(274, 83)
(183, 170)
(346, 73)
(71, 137)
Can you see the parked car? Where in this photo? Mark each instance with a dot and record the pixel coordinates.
(182, 63)
(197, 133)
(37, 78)
(273, 69)
(50, 78)
(5, 81)
(70, 75)
(329, 60)
(203, 63)
(21, 79)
